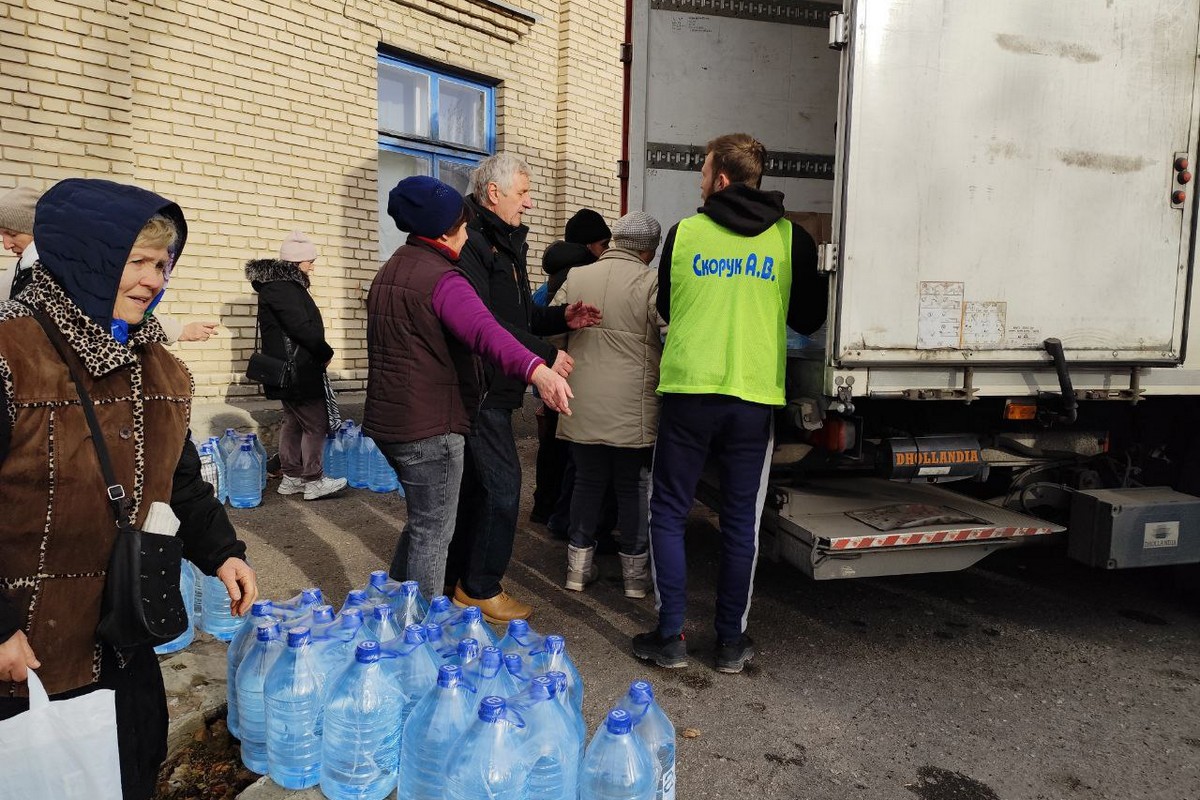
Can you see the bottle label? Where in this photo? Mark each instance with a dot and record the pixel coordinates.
(668, 783)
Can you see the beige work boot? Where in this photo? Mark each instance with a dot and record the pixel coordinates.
(636, 572)
(580, 569)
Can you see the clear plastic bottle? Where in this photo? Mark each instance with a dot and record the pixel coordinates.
(551, 744)
(618, 766)
(654, 728)
(553, 656)
(380, 475)
(356, 598)
(441, 611)
(243, 640)
(229, 444)
(334, 641)
(466, 654)
(248, 687)
(334, 457)
(487, 675)
(519, 669)
(435, 639)
(381, 588)
(294, 694)
(413, 667)
(360, 748)
(562, 697)
(382, 623)
(409, 605)
(521, 639)
(212, 468)
(356, 474)
(245, 482)
(215, 616)
(488, 762)
(441, 716)
(187, 588)
(469, 623)
(261, 452)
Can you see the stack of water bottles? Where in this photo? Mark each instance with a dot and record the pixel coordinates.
(236, 466)
(390, 693)
(353, 455)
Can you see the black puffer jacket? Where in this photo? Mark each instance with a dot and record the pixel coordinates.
(286, 309)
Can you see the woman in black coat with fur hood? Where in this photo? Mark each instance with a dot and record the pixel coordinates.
(292, 329)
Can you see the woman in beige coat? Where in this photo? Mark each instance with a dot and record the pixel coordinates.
(615, 419)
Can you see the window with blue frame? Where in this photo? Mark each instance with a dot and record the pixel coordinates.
(430, 123)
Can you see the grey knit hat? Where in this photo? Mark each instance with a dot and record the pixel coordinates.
(297, 248)
(636, 231)
(16, 209)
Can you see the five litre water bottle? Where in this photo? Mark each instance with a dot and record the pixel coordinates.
(261, 452)
(470, 624)
(517, 667)
(617, 765)
(382, 623)
(520, 639)
(334, 457)
(245, 482)
(488, 676)
(229, 444)
(294, 694)
(381, 588)
(248, 687)
(435, 639)
(441, 611)
(380, 475)
(356, 474)
(571, 713)
(356, 598)
(651, 725)
(409, 605)
(215, 616)
(187, 588)
(361, 741)
(239, 646)
(551, 748)
(212, 469)
(412, 667)
(552, 657)
(440, 716)
(488, 763)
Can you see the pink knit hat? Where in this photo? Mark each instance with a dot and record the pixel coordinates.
(297, 247)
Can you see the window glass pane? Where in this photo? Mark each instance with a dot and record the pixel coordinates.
(393, 168)
(460, 115)
(456, 174)
(403, 101)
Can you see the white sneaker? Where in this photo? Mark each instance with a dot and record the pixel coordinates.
(323, 486)
(290, 485)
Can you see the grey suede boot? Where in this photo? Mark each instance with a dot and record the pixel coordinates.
(636, 572)
(580, 569)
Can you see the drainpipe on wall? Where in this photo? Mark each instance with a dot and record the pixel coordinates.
(627, 64)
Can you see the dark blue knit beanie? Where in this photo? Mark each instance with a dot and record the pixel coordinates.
(424, 206)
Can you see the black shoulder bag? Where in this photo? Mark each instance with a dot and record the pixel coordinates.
(277, 373)
(142, 604)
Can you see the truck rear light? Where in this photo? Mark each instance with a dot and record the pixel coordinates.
(1020, 410)
(837, 435)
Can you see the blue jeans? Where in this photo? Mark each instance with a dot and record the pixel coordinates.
(487, 506)
(430, 471)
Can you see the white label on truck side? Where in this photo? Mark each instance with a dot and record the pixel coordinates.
(923, 471)
(1161, 534)
(939, 322)
(983, 323)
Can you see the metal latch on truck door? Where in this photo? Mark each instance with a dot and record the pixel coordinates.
(827, 257)
(839, 32)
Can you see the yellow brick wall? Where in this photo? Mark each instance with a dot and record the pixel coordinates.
(260, 116)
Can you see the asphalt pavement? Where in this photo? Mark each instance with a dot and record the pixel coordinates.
(1025, 677)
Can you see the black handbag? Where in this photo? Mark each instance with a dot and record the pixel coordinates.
(278, 373)
(142, 604)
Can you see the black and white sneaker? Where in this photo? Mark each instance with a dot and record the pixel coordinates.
(669, 652)
(732, 656)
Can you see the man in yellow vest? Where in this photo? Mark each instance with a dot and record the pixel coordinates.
(730, 279)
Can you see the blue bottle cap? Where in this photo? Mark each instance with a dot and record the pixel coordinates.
(367, 652)
(246, 447)
(253, 437)
(641, 692)
(378, 578)
(514, 663)
(261, 608)
(439, 603)
(491, 709)
(356, 597)
(298, 637)
(231, 432)
(471, 614)
(560, 680)
(414, 634)
(491, 657)
(354, 614)
(541, 688)
(449, 675)
(468, 649)
(312, 596)
(517, 628)
(433, 632)
(555, 644)
(410, 588)
(381, 611)
(618, 722)
(322, 614)
(267, 631)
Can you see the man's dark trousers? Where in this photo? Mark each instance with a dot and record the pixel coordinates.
(487, 506)
(739, 436)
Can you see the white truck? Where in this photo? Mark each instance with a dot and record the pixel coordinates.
(1002, 195)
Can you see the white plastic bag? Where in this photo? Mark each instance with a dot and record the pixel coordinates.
(64, 749)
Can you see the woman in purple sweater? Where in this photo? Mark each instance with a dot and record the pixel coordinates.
(426, 327)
